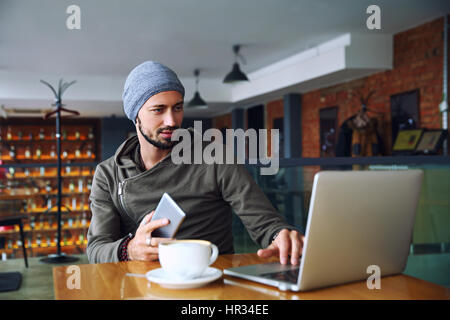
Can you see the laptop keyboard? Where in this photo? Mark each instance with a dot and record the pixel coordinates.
(286, 276)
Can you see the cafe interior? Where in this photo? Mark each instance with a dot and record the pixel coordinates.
(349, 85)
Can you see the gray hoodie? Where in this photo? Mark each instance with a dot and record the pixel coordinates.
(122, 194)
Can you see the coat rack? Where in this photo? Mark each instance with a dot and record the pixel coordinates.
(59, 257)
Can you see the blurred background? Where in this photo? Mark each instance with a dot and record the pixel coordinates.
(348, 85)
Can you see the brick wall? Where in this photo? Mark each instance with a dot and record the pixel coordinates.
(223, 121)
(418, 63)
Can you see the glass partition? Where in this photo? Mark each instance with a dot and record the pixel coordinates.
(290, 191)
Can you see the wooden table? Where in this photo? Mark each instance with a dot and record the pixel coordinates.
(108, 281)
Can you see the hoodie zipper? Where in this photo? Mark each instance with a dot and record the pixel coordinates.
(120, 192)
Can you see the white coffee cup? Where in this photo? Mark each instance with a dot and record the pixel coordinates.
(186, 259)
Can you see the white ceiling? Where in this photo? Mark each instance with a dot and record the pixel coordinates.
(117, 35)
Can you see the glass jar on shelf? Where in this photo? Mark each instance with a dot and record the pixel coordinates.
(29, 243)
(38, 240)
(27, 153)
(78, 221)
(12, 152)
(80, 185)
(33, 203)
(71, 186)
(41, 134)
(18, 244)
(9, 135)
(81, 238)
(52, 152)
(83, 202)
(41, 223)
(38, 152)
(89, 151)
(32, 223)
(91, 133)
(83, 220)
(74, 203)
(48, 187)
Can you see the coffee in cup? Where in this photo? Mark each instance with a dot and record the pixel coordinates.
(186, 259)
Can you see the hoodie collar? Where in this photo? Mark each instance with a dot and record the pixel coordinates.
(125, 156)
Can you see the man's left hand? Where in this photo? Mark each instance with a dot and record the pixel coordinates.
(285, 244)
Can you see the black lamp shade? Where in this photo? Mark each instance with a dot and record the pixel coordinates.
(197, 102)
(235, 75)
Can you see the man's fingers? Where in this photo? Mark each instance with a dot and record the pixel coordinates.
(284, 244)
(152, 225)
(147, 218)
(296, 247)
(156, 241)
(268, 252)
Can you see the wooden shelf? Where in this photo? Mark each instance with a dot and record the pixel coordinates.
(22, 176)
(38, 141)
(39, 211)
(82, 137)
(45, 159)
(44, 250)
(24, 196)
(52, 229)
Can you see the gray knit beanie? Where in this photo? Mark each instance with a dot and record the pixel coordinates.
(144, 81)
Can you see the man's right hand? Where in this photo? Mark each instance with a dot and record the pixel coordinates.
(138, 249)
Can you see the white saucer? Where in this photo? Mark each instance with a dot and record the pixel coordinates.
(160, 277)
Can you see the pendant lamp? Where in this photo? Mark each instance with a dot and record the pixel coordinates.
(197, 102)
(236, 75)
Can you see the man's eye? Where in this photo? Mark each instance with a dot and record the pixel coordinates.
(179, 108)
(157, 110)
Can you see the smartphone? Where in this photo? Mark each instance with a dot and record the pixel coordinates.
(168, 208)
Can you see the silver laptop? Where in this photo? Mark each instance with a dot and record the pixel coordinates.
(356, 219)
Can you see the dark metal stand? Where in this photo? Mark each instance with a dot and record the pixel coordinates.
(59, 257)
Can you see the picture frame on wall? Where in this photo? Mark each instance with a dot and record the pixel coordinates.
(431, 141)
(407, 141)
(405, 113)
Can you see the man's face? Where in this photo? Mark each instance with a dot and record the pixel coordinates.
(159, 117)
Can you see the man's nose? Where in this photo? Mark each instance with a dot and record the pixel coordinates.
(169, 119)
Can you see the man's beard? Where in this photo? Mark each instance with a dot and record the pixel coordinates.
(164, 145)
